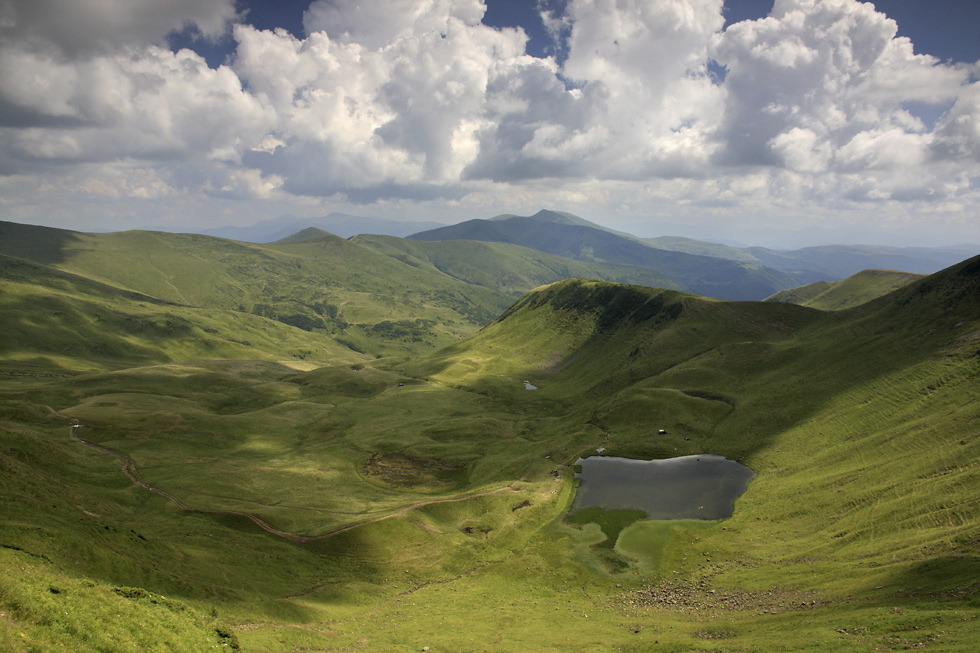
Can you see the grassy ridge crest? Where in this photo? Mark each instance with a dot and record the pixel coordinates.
(853, 291)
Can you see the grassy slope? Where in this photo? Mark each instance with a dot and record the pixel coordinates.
(57, 319)
(860, 423)
(377, 294)
(853, 291)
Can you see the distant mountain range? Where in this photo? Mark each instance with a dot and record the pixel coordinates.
(709, 269)
(835, 261)
(705, 268)
(572, 237)
(520, 252)
(340, 224)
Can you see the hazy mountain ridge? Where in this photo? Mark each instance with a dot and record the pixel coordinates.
(506, 267)
(832, 261)
(846, 260)
(807, 265)
(710, 276)
(341, 224)
(757, 268)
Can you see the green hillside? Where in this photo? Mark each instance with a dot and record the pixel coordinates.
(853, 291)
(179, 478)
(62, 321)
(371, 302)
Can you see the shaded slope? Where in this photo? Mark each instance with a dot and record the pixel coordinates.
(771, 364)
(600, 346)
(41, 244)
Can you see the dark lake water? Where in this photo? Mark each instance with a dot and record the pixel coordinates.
(690, 487)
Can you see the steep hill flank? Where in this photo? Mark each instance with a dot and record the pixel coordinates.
(582, 340)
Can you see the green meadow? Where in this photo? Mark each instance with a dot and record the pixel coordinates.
(182, 472)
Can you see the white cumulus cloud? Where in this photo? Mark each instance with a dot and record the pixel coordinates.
(419, 102)
(82, 26)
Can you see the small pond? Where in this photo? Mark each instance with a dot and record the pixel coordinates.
(702, 486)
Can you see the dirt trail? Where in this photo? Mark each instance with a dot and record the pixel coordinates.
(129, 469)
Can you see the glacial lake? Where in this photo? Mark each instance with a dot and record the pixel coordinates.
(701, 486)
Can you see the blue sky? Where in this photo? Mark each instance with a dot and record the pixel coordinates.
(781, 123)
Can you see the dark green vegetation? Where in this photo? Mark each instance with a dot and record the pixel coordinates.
(240, 482)
(853, 291)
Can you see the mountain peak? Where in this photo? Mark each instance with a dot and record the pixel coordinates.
(547, 215)
(559, 216)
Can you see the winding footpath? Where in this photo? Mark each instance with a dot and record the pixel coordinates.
(129, 469)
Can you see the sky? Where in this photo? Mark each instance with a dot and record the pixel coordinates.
(781, 123)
